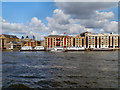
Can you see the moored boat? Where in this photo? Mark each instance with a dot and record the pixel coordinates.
(101, 49)
(75, 49)
(39, 48)
(28, 48)
(58, 49)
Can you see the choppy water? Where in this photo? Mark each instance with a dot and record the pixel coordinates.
(61, 69)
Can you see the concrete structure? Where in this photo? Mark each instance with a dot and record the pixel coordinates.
(58, 41)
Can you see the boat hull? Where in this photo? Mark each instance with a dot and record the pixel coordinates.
(32, 50)
(76, 50)
(101, 49)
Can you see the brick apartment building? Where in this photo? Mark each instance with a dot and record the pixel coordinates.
(86, 40)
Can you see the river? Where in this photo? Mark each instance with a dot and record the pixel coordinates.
(85, 69)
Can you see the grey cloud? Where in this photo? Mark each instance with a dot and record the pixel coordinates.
(84, 10)
(100, 20)
(87, 13)
(73, 27)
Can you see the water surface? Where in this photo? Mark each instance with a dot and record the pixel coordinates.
(61, 69)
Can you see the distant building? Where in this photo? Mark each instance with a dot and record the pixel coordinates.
(86, 40)
(13, 45)
(30, 42)
(93, 40)
(42, 43)
(5, 39)
(102, 40)
(58, 41)
(79, 41)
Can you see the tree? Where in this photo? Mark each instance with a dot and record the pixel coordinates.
(33, 37)
(27, 37)
(22, 37)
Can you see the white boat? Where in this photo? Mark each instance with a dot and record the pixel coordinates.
(26, 48)
(75, 49)
(29, 48)
(58, 49)
(39, 48)
(80, 48)
(101, 49)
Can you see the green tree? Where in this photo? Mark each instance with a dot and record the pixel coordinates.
(33, 37)
(22, 37)
(27, 37)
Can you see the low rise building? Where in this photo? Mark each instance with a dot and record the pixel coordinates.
(30, 42)
(94, 40)
(79, 41)
(42, 43)
(13, 45)
(5, 39)
(102, 40)
(58, 41)
(86, 40)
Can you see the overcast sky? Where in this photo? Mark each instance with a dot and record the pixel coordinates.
(45, 18)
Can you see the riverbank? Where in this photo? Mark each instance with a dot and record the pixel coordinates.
(88, 49)
(9, 50)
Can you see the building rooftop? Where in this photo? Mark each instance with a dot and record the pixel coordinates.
(58, 35)
(10, 36)
(102, 34)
